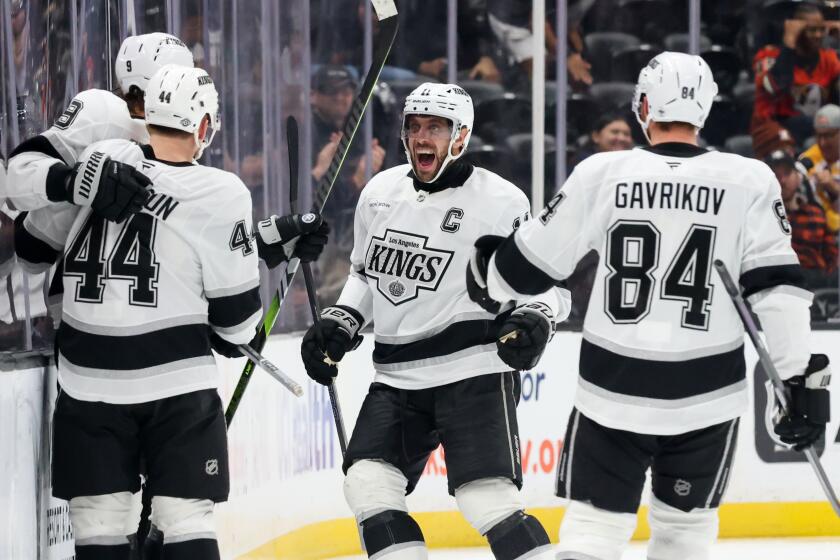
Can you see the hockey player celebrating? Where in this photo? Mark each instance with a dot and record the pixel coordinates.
(662, 374)
(47, 177)
(142, 301)
(442, 377)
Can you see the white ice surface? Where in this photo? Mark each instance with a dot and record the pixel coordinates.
(728, 549)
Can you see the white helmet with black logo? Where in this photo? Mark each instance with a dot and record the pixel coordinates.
(180, 98)
(141, 56)
(679, 87)
(448, 101)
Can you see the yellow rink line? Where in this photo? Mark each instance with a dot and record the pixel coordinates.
(448, 529)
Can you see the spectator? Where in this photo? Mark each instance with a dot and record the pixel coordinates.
(815, 244)
(822, 160)
(421, 43)
(510, 21)
(611, 132)
(794, 79)
(769, 136)
(333, 89)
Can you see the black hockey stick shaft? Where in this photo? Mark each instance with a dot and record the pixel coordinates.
(292, 141)
(388, 32)
(773, 375)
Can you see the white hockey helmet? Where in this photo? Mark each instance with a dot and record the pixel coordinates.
(141, 56)
(679, 87)
(179, 97)
(449, 101)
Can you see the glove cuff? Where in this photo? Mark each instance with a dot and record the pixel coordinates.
(268, 232)
(349, 320)
(86, 180)
(542, 310)
(59, 180)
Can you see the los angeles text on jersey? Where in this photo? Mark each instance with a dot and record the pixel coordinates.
(669, 196)
(403, 264)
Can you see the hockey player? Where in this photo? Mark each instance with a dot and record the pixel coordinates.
(44, 177)
(662, 374)
(442, 376)
(142, 302)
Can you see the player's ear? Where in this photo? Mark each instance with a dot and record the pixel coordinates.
(202, 128)
(643, 111)
(459, 142)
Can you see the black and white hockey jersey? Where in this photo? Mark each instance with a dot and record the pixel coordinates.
(662, 349)
(92, 116)
(141, 297)
(410, 253)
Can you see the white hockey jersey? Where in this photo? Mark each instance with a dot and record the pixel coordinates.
(140, 297)
(92, 116)
(662, 349)
(408, 268)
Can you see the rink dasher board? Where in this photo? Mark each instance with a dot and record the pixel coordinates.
(286, 488)
(771, 492)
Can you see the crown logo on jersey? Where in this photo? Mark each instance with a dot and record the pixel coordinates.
(403, 265)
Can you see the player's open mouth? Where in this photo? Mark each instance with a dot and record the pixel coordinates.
(425, 159)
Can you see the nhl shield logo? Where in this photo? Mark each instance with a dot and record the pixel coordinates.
(682, 487)
(403, 264)
(211, 467)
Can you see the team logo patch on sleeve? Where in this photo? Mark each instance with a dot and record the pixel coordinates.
(69, 115)
(403, 265)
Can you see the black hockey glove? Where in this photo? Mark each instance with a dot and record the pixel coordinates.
(477, 272)
(230, 350)
(326, 342)
(279, 238)
(809, 406)
(525, 334)
(113, 189)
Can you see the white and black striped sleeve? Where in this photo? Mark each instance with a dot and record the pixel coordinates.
(773, 283)
(545, 249)
(230, 270)
(514, 215)
(38, 166)
(40, 235)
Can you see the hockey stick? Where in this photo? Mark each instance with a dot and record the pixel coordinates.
(770, 370)
(292, 143)
(271, 369)
(386, 11)
(245, 378)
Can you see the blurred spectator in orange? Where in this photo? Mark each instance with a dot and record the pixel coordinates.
(822, 160)
(610, 133)
(814, 242)
(794, 79)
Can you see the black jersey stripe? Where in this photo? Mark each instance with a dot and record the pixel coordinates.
(29, 248)
(520, 273)
(140, 351)
(765, 277)
(454, 338)
(57, 175)
(660, 380)
(39, 144)
(233, 310)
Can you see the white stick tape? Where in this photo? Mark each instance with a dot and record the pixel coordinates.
(384, 8)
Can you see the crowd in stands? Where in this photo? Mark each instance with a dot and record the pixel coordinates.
(775, 61)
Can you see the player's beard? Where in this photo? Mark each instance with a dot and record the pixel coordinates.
(427, 159)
